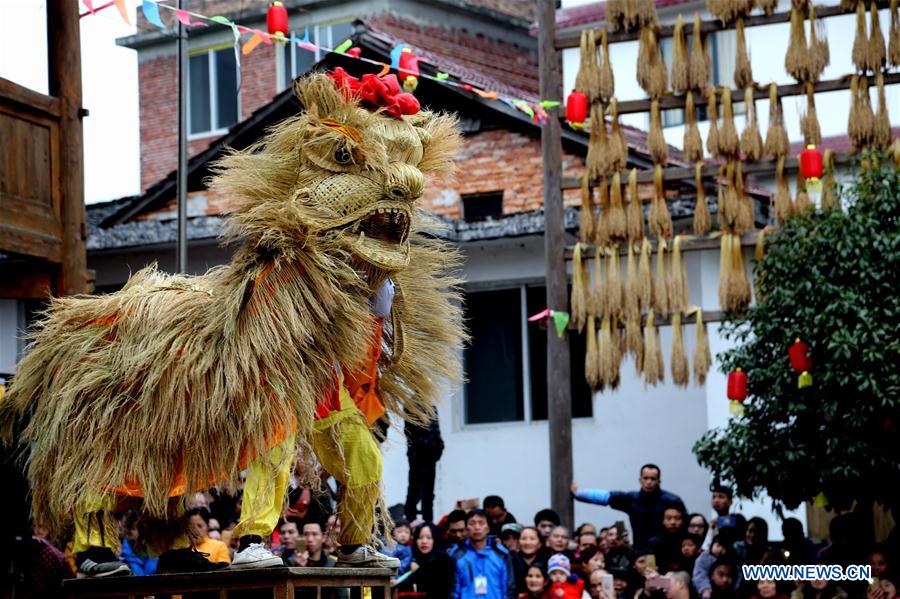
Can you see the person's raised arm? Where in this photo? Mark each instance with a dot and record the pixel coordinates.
(597, 496)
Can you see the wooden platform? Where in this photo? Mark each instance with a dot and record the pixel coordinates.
(279, 583)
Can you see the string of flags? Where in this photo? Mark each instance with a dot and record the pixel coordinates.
(403, 60)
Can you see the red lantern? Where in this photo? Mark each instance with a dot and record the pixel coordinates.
(409, 70)
(800, 359)
(737, 385)
(277, 20)
(576, 107)
(811, 163)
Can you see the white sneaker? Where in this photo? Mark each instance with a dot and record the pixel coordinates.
(365, 556)
(256, 556)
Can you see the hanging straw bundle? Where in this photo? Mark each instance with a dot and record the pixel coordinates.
(829, 187)
(587, 79)
(721, 184)
(767, 6)
(760, 273)
(700, 65)
(607, 81)
(586, 217)
(656, 141)
(802, 203)
(861, 41)
(729, 205)
(702, 355)
(777, 144)
(819, 54)
(634, 341)
(597, 297)
(592, 357)
(894, 35)
(875, 53)
(681, 81)
(809, 122)
(615, 15)
(729, 145)
(743, 73)
(740, 284)
(751, 140)
(660, 301)
(881, 130)
(605, 353)
(693, 145)
(598, 144)
(615, 286)
(784, 208)
(659, 220)
(645, 280)
(725, 266)
(681, 373)
(644, 13)
(712, 138)
(702, 219)
(601, 229)
(796, 59)
(634, 212)
(652, 74)
(616, 212)
(861, 124)
(654, 368)
(618, 148)
(744, 217)
(678, 283)
(580, 278)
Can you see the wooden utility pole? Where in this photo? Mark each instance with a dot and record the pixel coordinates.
(182, 241)
(559, 389)
(64, 60)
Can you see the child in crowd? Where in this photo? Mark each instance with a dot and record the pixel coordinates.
(563, 585)
(402, 549)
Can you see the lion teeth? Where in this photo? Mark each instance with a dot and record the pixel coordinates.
(362, 236)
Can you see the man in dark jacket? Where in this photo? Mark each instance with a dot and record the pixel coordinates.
(424, 447)
(644, 508)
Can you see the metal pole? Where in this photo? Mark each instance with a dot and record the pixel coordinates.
(182, 243)
(559, 394)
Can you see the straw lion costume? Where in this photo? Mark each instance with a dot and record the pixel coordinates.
(176, 383)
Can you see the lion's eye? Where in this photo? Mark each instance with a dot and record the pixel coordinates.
(342, 155)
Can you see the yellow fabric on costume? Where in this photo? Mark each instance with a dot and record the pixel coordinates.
(95, 524)
(267, 482)
(346, 448)
(217, 550)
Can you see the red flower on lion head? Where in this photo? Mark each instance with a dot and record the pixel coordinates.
(376, 92)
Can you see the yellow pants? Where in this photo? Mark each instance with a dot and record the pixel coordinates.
(345, 448)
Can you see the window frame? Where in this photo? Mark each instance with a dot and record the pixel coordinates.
(212, 82)
(525, 356)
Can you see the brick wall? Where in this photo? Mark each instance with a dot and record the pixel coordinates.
(158, 104)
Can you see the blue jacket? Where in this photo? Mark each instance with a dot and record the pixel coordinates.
(141, 565)
(493, 562)
(645, 510)
(402, 553)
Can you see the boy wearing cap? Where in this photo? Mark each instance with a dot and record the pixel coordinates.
(563, 585)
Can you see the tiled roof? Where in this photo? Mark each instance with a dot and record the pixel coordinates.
(505, 68)
(838, 143)
(595, 12)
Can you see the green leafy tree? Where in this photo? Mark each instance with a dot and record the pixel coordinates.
(832, 279)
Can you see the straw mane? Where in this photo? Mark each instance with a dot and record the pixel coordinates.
(183, 379)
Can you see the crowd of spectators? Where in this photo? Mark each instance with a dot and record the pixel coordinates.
(480, 550)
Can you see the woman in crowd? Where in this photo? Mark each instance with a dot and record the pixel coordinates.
(819, 589)
(755, 546)
(768, 589)
(432, 569)
(590, 559)
(536, 582)
(697, 525)
(531, 551)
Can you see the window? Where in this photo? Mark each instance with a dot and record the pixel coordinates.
(212, 90)
(480, 206)
(506, 360)
(296, 61)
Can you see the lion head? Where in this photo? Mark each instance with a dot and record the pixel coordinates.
(349, 169)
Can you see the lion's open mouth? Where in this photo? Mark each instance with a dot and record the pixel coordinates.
(386, 224)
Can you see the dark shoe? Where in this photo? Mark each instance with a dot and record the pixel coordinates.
(187, 560)
(100, 562)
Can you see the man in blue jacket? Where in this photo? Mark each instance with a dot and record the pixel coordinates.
(483, 567)
(644, 508)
